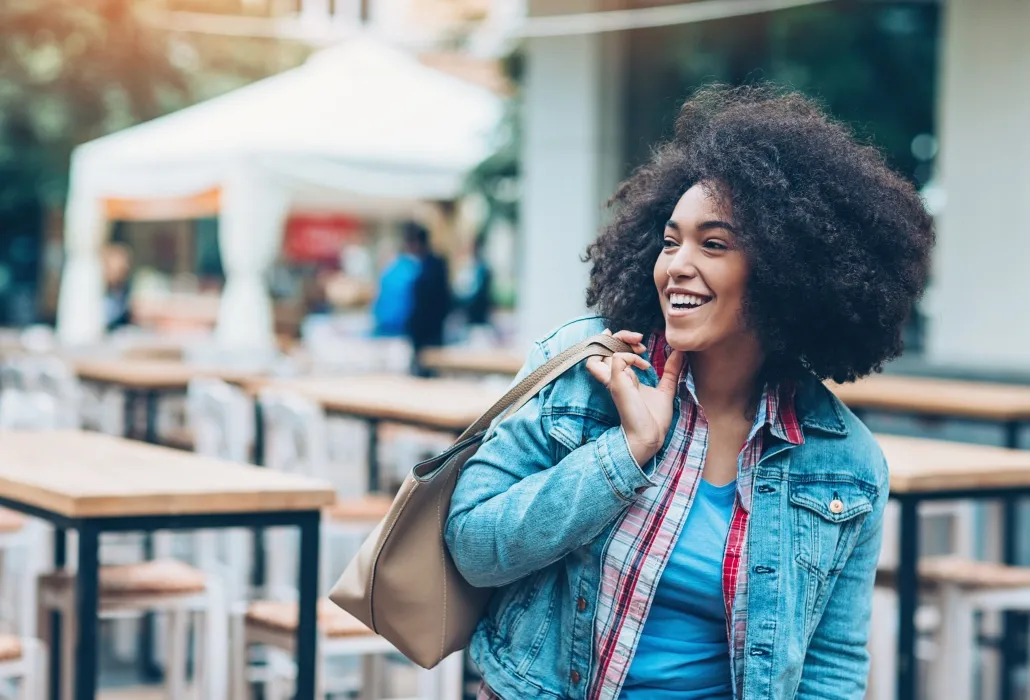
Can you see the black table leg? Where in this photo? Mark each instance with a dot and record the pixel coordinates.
(152, 405)
(86, 591)
(151, 670)
(60, 560)
(307, 624)
(1013, 622)
(257, 574)
(129, 413)
(373, 456)
(908, 598)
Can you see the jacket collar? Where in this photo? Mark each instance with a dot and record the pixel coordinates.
(818, 409)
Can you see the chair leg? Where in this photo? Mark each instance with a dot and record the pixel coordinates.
(33, 685)
(952, 675)
(201, 662)
(178, 645)
(237, 658)
(452, 677)
(883, 645)
(215, 661)
(371, 677)
(69, 632)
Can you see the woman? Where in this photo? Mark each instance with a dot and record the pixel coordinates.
(702, 518)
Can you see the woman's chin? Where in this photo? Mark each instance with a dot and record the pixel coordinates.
(678, 339)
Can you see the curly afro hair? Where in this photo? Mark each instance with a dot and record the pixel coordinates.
(838, 245)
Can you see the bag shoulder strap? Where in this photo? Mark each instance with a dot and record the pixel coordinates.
(533, 383)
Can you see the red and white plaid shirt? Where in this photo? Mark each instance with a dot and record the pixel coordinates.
(645, 537)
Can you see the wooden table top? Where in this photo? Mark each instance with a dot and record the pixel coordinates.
(80, 474)
(472, 361)
(921, 465)
(447, 404)
(152, 374)
(939, 397)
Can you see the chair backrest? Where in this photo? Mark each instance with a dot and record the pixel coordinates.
(21, 410)
(221, 418)
(295, 434)
(53, 377)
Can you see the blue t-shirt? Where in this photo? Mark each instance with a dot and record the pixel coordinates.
(683, 653)
(394, 304)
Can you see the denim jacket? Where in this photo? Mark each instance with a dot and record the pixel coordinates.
(533, 509)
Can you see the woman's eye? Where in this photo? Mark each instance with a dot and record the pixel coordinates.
(716, 245)
(668, 243)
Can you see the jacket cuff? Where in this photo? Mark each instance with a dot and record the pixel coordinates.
(625, 476)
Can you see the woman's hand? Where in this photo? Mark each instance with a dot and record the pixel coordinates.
(646, 412)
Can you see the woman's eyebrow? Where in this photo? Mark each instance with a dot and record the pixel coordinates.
(672, 224)
(715, 223)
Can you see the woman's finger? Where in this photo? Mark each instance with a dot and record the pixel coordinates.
(600, 369)
(632, 360)
(633, 339)
(671, 377)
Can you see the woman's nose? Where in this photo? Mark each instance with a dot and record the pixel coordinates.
(682, 264)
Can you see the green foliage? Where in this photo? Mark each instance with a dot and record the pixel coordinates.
(496, 179)
(70, 71)
(75, 70)
(872, 64)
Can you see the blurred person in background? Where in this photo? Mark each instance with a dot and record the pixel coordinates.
(393, 305)
(117, 260)
(431, 294)
(475, 294)
(701, 517)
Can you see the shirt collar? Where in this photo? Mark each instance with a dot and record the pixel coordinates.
(776, 409)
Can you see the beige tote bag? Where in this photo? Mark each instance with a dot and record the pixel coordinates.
(403, 584)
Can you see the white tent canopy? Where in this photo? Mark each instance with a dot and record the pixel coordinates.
(359, 127)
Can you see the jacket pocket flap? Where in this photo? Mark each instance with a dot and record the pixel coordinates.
(833, 501)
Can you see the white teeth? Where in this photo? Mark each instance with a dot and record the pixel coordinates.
(686, 300)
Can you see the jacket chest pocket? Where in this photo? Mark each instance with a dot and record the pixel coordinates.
(827, 517)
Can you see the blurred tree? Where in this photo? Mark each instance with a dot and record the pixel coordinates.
(74, 70)
(70, 71)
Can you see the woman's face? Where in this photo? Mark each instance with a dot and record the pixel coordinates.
(701, 275)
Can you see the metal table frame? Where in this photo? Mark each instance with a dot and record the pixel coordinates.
(908, 576)
(87, 580)
(152, 398)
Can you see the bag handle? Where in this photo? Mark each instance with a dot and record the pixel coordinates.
(519, 395)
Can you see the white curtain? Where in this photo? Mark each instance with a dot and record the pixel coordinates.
(254, 210)
(80, 304)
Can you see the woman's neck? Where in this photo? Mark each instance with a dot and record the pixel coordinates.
(726, 379)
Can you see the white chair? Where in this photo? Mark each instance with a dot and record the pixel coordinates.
(168, 587)
(953, 587)
(24, 661)
(221, 420)
(54, 378)
(296, 441)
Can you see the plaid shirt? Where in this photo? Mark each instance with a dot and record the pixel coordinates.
(645, 537)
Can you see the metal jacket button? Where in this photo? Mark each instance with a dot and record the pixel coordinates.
(581, 604)
(836, 506)
(574, 677)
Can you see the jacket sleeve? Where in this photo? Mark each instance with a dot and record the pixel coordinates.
(837, 663)
(514, 511)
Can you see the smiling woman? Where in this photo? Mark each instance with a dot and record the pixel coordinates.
(641, 551)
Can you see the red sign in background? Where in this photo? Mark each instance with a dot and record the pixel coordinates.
(319, 238)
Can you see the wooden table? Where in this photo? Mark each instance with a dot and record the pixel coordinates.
(924, 470)
(448, 405)
(1005, 404)
(472, 361)
(96, 483)
(149, 379)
